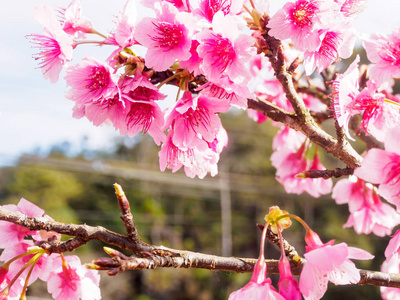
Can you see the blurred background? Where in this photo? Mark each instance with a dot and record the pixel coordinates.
(68, 167)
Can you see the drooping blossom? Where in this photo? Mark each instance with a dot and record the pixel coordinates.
(368, 212)
(142, 112)
(70, 280)
(288, 286)
(337, 42)
(290, 163)
(391, 265)
(225, 90)
(259, 287)
(166, 37)
(195, 119)
(91, 80)
(288, 138)
(55, 46)
(301, 21)
(73, 21)
(197, 161)
(225, 50)
(384, 53)
(383, 167)
(328, 262)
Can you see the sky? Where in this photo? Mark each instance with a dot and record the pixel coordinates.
(35, 113)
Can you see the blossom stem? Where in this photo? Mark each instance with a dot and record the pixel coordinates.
(32, 260)
(98, 33)
(36, 258)
(392, 102)
(300, 220)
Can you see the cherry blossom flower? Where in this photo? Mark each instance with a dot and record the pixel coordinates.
(55, 46)
(73, 20)
(300, 21)
(91, 80)
(208, 8)
(225, 90)
(166, 37)
(336, 42)
(195, 119)
(259, 287)
(124, 33)
(288, 138)
(225, 50)
(393, 246)
(391, 265)
(345, 88)
(352, 8)
(197, 161)
(328, 262)
(11, 233)
(72, 281)
(383, 167)
(290, 163)
(256, 116)
(384, 53)
(368, 212)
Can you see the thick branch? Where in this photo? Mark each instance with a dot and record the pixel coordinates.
(344, 151)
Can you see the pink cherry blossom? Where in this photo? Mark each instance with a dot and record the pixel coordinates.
(197, 161)
(166, 37)
(91, 80)
(391, 265)
(301, 20)
(225, 90)
(123, 35)
(383, 167)
(72, 281)
(193, 63)
(368, 212)
(288, 138)
(73, 20)
(55, 46)
(11, 233)
(345, 88)
(393, 246)
(259, 286)
(193, 117)
(208, 8)
(225, 50)
(336, 42)
(289, 164)
(328, 262)
(384, 53)
(352, 8)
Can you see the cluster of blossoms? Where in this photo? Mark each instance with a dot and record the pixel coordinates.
(25, 262)
(205, 49)
(325, 262)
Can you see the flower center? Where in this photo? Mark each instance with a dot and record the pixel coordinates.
(167, 35)
(390, 52)
(303, 13)
(98, 79)
(140, 114)
(194, 118)
(221, 49)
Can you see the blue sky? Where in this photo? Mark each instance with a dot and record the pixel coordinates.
(35, 113)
